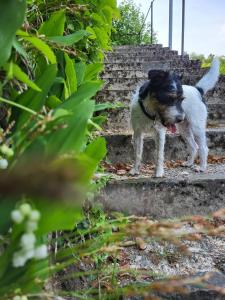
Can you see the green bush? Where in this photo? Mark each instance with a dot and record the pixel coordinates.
(131, 28)
(50, 61)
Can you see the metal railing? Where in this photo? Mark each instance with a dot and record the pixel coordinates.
(170, 37)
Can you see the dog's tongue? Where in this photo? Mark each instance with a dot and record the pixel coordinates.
(172, 128)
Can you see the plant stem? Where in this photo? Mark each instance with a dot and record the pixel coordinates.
(31, 111)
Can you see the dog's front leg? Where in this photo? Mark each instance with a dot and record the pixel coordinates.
(160, 143)
(138, 149)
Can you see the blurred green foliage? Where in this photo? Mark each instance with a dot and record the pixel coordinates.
(131, 28)
(51, 56)
(206, 61)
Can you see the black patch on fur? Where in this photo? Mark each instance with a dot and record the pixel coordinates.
(201, 93)
(161, 85)
(144, 90)
(200, 90)
(143, 93)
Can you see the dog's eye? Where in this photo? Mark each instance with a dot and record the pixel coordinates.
(181, 98)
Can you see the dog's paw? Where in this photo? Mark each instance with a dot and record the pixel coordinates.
(134, 171)
(199, 169)
(159, 173)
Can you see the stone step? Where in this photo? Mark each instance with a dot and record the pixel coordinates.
(140, 74)
(137, 48)
(214, 96)
(159, 64)
(118, 119)
(142, 59)
(130, 84)
(135, 54)
(167, 65)
(120, 149)
(182, 192)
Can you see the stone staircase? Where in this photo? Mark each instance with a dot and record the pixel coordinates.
(182, 191)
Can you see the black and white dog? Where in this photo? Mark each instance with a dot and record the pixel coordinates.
(163, 103)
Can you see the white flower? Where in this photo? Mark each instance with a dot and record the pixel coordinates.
(31, 226)
(3, 163)
(27, 241)
(29, 254)
(20, 298)
(6, 150)
(25, 209)
(34, 215)
(17, 298)
(19, 259)
(41, 252)
(16, 216)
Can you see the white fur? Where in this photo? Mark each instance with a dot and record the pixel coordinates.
(210, 79)
(192, 129)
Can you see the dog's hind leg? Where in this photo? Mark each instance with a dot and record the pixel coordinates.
(187, 134)
(137, 142)
(160, 143)
(200, 138)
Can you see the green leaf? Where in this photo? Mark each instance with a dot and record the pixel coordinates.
(54, 25)
(92, 70)
(109, 105)
(102, 37)
(92, 156)
(69, 40)
(85, 91)
(96, 150)
(71, 79)
(19, 48)
(56, 219)
(20, 75)
(52, 102)
(92, 35)
(42, 47)
(108, 11)
(98, 19)
(80, 72)
(35, 100)
(94, 125)
(59, 113)
(71, 138)
(12, 13)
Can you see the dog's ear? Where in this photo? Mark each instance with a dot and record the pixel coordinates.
(157, 74)
(179, 76)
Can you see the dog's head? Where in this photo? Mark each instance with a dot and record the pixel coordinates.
(166, 91)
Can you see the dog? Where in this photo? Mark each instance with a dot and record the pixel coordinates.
(162, 103)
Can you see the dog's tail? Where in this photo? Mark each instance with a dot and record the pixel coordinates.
(210, 79)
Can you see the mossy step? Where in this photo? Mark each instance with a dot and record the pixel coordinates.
(120, 149)
(182, 192)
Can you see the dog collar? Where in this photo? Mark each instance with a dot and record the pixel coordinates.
(150, 116)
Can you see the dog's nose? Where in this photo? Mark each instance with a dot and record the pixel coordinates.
(179, 119)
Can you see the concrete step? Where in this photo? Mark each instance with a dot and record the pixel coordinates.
(122, 48)
(135, 54)
(120, 149)
(118, 119)
(126, 74)
(215, 96)
(142, 59)
(182, 192)
(130, 84)
(158, 64)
